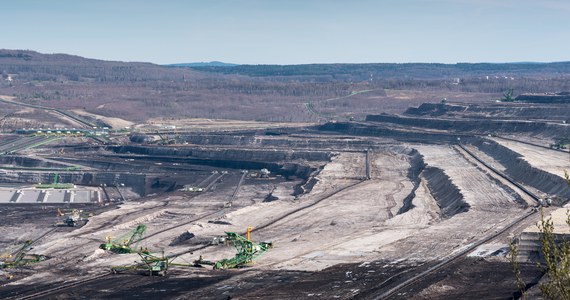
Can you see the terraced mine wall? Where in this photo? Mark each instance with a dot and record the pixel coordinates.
(545, 98)
(381, 130)
(476, 126)
(135, 181)
(435, 109)
(338, 143)
(41, 171)
(28, 162)
(503, 110)
(254, 140)
(520, 170)
(283, 162)
(446, 194)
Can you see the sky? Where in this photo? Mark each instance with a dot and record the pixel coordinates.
(292, 31)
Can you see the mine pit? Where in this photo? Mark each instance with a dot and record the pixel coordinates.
(326, 202)
(419, 204)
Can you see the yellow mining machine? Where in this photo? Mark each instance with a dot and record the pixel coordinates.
(20, 257)
(73, 217)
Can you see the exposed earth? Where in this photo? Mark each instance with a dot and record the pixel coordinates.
(394, 188)
(354, 210)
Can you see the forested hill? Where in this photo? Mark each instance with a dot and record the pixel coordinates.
(31, 65)
(204, 64)
(388, 70)
(138, 92)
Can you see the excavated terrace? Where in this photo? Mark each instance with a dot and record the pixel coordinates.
(340, 197)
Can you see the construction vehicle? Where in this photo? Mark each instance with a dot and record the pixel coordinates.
(165, 141)
(264, 173)
(154, 265)
(20, 257)
(74, 217)
(188, 188)
(157, 266)
(55, 184)
(128, 243)
(247, 251)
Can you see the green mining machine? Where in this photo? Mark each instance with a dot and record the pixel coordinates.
(247, 251)
(153, 264)
(129, 243)
(20, 257)
(55, 184)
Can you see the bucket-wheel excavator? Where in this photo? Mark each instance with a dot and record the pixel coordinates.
(247, 251)
(153, 264)
(20, 256)
(128, 243)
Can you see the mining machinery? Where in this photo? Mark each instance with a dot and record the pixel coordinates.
(20, 256)
(264, 173)
(247, 251)
(153, 264)
(128, 243)
(72, 218)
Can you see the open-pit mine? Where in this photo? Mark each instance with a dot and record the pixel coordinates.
(418, 205)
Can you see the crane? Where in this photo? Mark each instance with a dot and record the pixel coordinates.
(127, 243)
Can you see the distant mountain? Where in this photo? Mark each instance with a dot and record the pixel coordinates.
(204, 64)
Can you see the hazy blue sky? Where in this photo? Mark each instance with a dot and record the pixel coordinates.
(291, 31)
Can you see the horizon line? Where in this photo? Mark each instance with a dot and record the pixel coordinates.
(293, 64)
